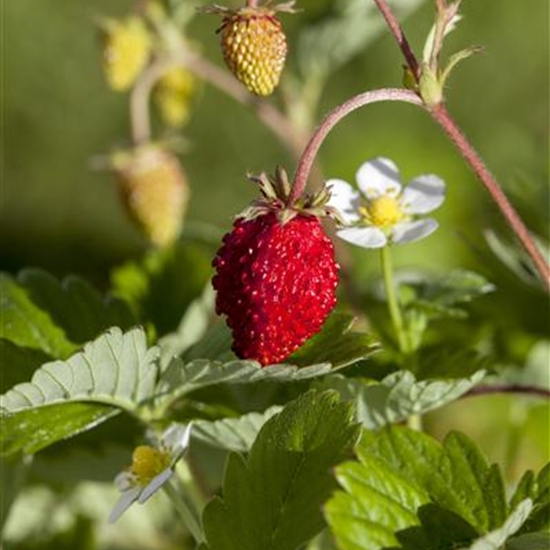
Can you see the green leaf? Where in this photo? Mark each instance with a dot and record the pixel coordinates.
(514, 257)
(537, 488)
(116, 371)
(163, 284)
(31, 430)
(336, 344)
(233, 434)
(181, 378)
(25, 324)
(442, 296)
(191, 329)
(455, 474)
(495, 539)
(398, 396)
(18, 363)
(74, 305)
(215, 345)
(272, 499)
(408, 491)
(377, 503)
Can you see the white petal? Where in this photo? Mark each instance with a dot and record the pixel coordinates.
(155, 484)
(367, 237)
(423, 194)
(377, 177)
(176, 440)
(127, 498)
(408, 232)
(125, 480)
(345, 198)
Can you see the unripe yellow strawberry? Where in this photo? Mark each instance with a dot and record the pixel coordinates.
(174, 95)
(126, 49)
(154, 190)
(254, 45)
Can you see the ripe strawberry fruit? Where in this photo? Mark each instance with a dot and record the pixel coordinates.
(254, 45)
(276, 276)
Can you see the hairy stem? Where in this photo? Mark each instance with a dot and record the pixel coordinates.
(273, 119)
(307, 159)
(441, 115)
(399, 35)
(532, 391)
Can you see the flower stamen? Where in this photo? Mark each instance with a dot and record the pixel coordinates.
(383, 211)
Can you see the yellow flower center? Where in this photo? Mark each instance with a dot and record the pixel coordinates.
(148, 462)
(383, 211)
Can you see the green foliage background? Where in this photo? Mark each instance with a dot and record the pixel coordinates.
(58, 114)
(58, 213)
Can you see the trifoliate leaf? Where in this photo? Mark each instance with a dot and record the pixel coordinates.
(272, 499)
(25, 324)
(116, 371)
(398, 396)
(233, 434)
(455, 474)
(409, 491)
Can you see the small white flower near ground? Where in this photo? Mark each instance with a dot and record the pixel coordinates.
(151, 468)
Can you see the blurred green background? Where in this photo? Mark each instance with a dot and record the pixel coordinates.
(58, 213)
(57, 114)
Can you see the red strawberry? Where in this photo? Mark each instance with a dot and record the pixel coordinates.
(276, 276)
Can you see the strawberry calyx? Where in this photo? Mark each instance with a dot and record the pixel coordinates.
(266, 10)
(276, 192)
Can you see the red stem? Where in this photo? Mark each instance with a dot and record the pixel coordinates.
(442, 116)
(399, 35)
(305, 163)
(512, 388)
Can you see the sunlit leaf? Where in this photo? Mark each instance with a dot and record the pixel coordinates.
(116, 371)
(399, 395)
(25, 324)
(284, 480)
(233, 434)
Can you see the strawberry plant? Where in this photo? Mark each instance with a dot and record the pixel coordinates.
(283, 386)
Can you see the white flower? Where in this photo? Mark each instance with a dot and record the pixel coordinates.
(386, 214)
(151, 468)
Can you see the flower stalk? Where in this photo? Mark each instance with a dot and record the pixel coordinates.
(307, 158)
(442, 117)
(391, 296)
(186, 510)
